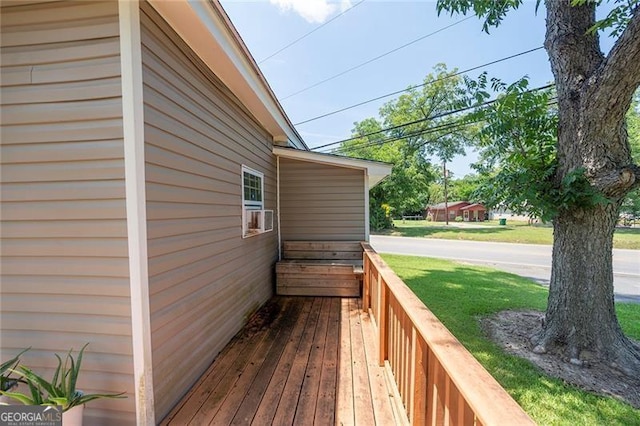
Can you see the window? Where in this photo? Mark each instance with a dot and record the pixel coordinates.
(255, 219)
(252, 188)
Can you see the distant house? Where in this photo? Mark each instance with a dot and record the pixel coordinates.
(149, 175)
(436, 212)
(470, 212)
(504, 213)
(474, 212)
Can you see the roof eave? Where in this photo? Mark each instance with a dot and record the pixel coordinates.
(206, 28)
(375, 170)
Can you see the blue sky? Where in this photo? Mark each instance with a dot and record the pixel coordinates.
(369, 30)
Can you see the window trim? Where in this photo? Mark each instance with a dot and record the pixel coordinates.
(254, 207)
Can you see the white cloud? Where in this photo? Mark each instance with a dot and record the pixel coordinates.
(313, 11)
(345, 4)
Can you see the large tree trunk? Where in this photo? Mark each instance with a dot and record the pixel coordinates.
(594, 93)
(580, 316)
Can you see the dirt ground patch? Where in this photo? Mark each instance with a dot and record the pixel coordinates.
(512, 331)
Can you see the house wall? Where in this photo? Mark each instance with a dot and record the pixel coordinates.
(321, 202)
(65, 278)
(501, 213)
(205, 279)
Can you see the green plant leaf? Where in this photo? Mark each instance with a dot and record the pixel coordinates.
(61, 390)
(20, 397)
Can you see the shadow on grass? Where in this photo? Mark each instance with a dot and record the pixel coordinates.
(628, 231)
(458, 295)
(427, 231)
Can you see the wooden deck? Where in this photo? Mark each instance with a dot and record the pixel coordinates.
(300, 360)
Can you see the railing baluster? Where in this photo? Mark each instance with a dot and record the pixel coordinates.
(366, 269)
(382, 328)
(419, 406)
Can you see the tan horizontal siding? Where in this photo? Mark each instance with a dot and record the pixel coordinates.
(71, 285)
(205, 279)
(60, 112)
(321, 202)
(64, 170)
(78, 71)
(82, 131)
(58, 52)
(59, 191)
(71, 317)
(68, 210)
(61, 92)
(58, 14)
(64, 252)
(65, 247)
(112, 228)
(72, 151)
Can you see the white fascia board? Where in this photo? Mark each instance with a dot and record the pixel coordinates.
(375, 170)
(206, 32)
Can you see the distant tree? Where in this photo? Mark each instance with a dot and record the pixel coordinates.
(436, 192)
(631, 204)
(433, 131)
(405, 190)
(467, 188)
(592, 171)
(517, 152)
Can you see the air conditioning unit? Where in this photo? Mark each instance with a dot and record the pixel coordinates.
(257, 221)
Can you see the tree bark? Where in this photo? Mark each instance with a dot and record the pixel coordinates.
(580, 317)
(594, 93)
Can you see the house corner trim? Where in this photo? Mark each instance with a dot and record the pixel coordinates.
(133, 135)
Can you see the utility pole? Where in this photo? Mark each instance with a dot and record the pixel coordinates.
(446, 206)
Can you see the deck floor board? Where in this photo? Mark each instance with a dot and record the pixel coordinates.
(300, 360)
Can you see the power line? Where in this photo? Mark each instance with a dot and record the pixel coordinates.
(310, 32)
(421, 120)
(435, 129)
(374, 59)
(447, 126)
(399, 126)
(418, 85)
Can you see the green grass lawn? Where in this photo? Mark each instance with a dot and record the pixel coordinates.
(513, 232)
(458, 294)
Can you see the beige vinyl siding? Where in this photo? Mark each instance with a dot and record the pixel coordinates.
(205, 279)
(321, 202)
(65, 278)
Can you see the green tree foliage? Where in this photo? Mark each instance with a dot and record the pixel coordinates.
(467, 188)
(631, 204)
(405, 190)
(517, 149)
(433, 132)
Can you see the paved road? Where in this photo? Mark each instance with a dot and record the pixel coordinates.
(528, 260)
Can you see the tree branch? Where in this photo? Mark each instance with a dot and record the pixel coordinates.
(619, 76)
(573, 51)
(619, 182)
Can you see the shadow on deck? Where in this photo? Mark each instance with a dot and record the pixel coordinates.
(299, 360)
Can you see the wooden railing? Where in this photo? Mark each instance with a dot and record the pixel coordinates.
(439, 381)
